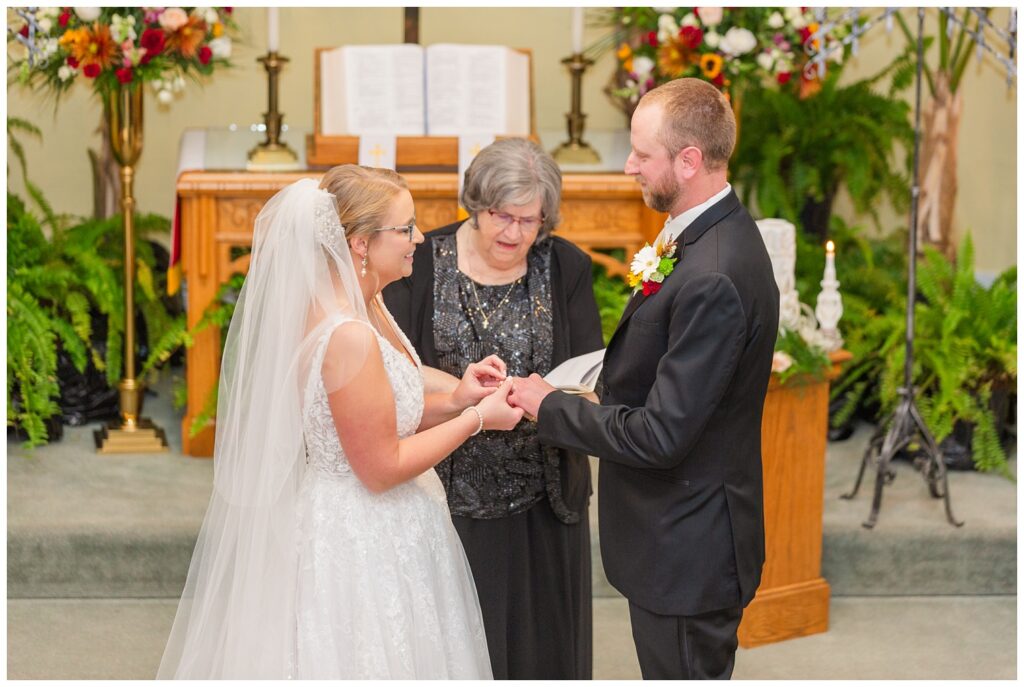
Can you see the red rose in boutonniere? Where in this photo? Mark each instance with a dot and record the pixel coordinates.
(650, 266)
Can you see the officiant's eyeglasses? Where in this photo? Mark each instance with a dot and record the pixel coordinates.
(504, 220)
(409, 229)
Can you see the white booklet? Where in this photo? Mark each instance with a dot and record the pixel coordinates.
(409, 90)
(577, 375)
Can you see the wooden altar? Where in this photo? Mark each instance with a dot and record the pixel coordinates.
(793, 598)
(599, 211)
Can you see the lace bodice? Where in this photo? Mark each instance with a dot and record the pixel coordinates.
(323, 449)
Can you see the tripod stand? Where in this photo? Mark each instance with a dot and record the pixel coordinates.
(906, 423)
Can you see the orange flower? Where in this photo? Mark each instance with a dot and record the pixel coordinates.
(812, 28)
(188, 37)
(218, 30)
(624, 52)
(672, 59)
(711, 65)
(809, 87)
(90, 47)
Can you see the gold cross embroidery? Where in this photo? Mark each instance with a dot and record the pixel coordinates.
(377, 152)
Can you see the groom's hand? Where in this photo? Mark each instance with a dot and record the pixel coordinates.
(528, 393)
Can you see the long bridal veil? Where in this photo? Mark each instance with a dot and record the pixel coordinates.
(236, 615)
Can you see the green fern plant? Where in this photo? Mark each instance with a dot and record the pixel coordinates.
(794, 151)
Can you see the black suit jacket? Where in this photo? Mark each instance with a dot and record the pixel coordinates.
(576, 327)
(679, 425)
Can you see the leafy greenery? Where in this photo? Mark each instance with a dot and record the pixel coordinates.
(964, 340)
(808, 359)
(56, 284)
(794, 149)
(611, 294)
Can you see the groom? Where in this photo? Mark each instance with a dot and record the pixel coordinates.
(678, 429)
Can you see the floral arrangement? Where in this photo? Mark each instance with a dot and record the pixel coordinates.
(726, 46)
(110, 47)
(650, 266)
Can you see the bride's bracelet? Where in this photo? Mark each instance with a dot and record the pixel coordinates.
(479, 415)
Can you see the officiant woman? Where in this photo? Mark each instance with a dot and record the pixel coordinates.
(501, 283)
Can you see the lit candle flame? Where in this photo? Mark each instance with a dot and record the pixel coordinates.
(830, 247)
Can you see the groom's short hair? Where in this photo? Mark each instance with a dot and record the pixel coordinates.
(695, 113)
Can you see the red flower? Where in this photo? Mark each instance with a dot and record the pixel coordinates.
(691, 36)
(651, 287)
(24, 31)
(719, 80)
(92, 70)
(63, 19)
(205, 53)
(805, 33)
(124, 75)
(229, 10)
(652, 38)
(72, 62)
(153, 40)
(783, 78)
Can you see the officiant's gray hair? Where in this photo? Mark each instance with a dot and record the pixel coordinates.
(513, 171)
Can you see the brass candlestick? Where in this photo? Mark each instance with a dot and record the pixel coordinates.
(132, 434)
(576, 150)
(272, 154)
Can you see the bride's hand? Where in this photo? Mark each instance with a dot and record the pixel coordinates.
(478, 381)
(496, 411)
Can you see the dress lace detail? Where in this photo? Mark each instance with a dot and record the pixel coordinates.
(384, 587)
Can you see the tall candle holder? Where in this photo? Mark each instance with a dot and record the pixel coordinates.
(829, 308)
(576, 150)
(272, 154)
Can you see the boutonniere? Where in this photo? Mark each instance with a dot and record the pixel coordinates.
(650, 266)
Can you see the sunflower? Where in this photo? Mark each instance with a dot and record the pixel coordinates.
(188, 37)
(711, 65)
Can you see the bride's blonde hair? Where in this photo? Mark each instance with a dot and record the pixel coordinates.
(362, 196)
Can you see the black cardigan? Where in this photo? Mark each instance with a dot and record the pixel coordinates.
(576, 325)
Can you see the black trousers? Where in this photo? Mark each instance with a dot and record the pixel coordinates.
(695, 647)
(532, 575)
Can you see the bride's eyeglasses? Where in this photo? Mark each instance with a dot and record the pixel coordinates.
(409, 229)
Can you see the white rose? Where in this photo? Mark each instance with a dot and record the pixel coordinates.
(221, 48)
(738, 41)
(45, 24)
(783, 67)
(165, 97)
(690, 20)
(776, 53)
(645, 262)
(711, 16)
(173, 18)
(88, 14)
(664, 10)
(642, 66)
(793, 13)
(712, 39)
(211, 17)
(50, 13)
(837, 55)
(667, 27)
(781, 361)
(65, 72)
(764, 61)
(798, 22)
(179, 83)
(776, 21)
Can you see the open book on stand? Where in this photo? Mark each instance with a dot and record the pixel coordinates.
(577, 375)
(411, 90)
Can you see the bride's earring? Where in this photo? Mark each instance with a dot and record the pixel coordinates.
(362, 272)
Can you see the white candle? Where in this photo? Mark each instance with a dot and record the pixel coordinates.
(272, 29)
(830, 262)
(577, 30)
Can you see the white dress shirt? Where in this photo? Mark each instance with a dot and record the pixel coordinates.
(674, 226)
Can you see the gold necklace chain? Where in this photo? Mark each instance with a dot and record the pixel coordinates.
(480, 307)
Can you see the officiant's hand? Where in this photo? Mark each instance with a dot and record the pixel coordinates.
(528, 394)
(496, 411)
(479, 381)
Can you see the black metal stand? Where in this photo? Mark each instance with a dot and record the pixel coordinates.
(906, 423)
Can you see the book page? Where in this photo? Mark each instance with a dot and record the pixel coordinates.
(577, 374)
(467, 89)
(378, 88)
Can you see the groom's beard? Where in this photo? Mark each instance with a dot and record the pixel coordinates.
(662, 197)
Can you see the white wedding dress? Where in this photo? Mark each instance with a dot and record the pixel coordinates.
(384, 587)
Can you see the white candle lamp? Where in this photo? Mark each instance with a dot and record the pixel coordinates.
(829, 308)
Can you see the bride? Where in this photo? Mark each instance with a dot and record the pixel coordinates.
(327, 550)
